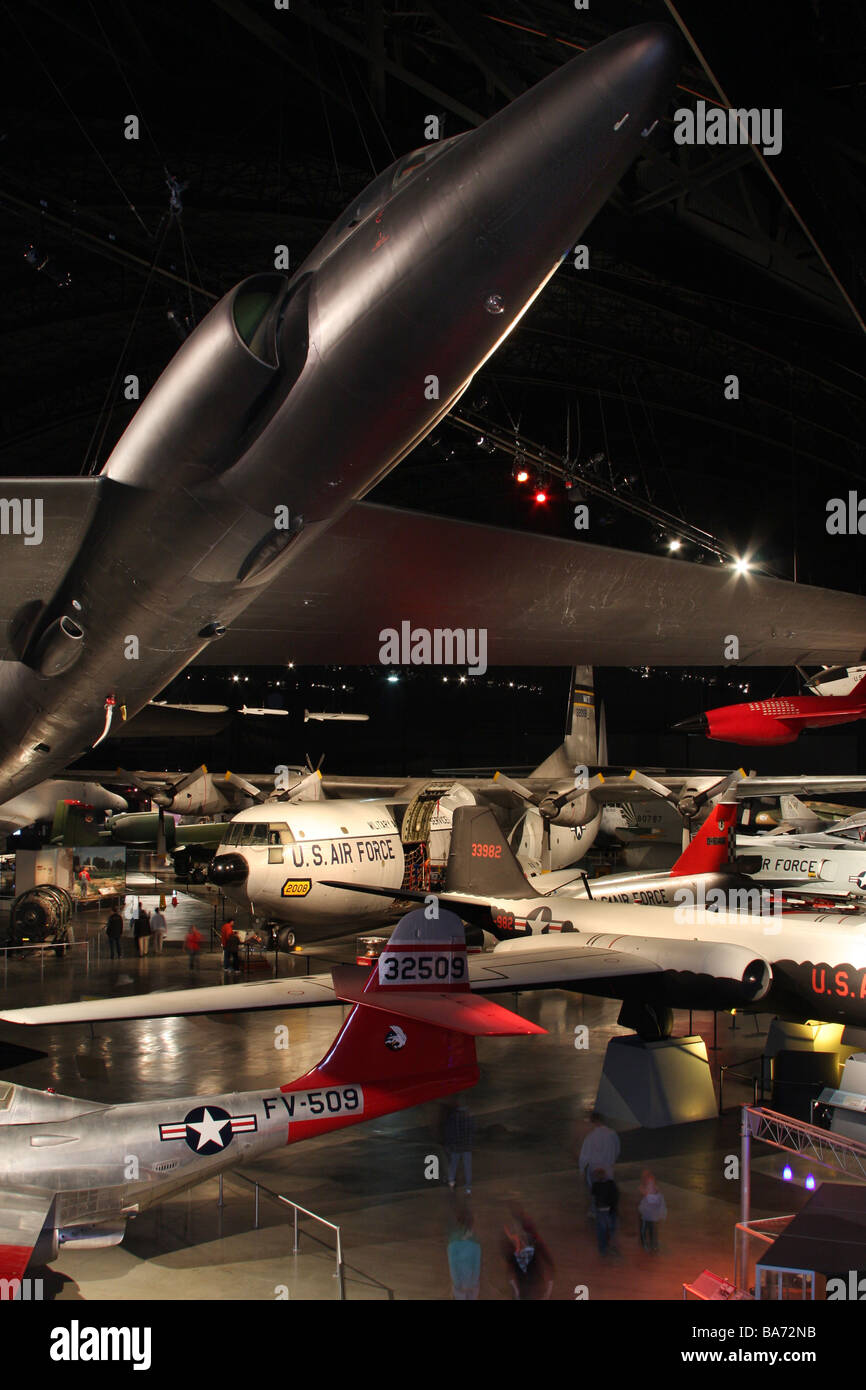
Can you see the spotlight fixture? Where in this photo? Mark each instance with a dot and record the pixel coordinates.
(675, 544)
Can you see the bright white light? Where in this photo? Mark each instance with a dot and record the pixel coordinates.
(741, 566)
(674, 544)
(392, 680)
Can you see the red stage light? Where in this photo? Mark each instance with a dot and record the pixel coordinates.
(541, 495)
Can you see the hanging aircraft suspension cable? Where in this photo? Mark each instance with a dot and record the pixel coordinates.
(106, 405)
(354, 112)
(375, 115)
(761, 158)
(126, 82)
(128, 201)
(325, 110)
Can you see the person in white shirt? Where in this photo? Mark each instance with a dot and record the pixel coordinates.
(158, 930)
(600, 1150)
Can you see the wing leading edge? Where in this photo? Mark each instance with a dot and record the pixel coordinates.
(541, 600)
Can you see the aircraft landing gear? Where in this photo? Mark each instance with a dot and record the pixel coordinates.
(651, 1022)
(282, 938)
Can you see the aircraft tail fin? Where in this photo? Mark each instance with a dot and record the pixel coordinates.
(411, 1035)
(859, 690)
(480, 860)
(579, 747)
(714, 845)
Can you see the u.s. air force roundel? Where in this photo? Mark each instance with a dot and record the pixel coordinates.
(208, 1129)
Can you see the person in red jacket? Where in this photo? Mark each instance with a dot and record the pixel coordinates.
(192, 945)
(226, 934)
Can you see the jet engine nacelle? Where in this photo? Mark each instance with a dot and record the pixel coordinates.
(568, 844)
(59, 647)
(580, 811)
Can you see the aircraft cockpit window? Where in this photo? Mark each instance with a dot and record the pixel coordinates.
(251, 833)
(6, 1094)
(280, 834)
(411, 163)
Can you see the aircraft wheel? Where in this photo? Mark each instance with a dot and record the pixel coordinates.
(285, 939)
(651, 1022)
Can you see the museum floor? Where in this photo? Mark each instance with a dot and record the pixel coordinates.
(530, 1112)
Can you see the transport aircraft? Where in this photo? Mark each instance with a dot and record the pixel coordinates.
(73, 1172)
(248, 462)
(294, 864)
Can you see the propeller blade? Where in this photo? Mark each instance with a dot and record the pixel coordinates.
(640, 779)
(247, 787)
(516, 787)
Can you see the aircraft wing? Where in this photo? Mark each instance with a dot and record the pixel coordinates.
(541, 600)
(787, 786)
(22, 1216)
(32, 572)
(560, 962)
(304, 992)
(488, 973)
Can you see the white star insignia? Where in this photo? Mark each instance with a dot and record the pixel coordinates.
(209, 1130)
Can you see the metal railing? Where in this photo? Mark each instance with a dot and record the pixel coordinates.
(298, 1210)
(729, 1068)
(42, 947)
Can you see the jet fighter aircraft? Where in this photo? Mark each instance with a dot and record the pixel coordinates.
(73, 1172)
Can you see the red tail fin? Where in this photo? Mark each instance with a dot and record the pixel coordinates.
(713, 846)
(411, 1035)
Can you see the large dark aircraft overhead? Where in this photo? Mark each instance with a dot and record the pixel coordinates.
(294, 396)
(241, 473)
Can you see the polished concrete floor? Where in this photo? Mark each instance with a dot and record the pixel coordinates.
(530, 1110)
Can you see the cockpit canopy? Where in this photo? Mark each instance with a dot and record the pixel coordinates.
(394, 177)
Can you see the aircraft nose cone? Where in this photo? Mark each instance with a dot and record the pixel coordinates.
(227, 870)
(697, 724)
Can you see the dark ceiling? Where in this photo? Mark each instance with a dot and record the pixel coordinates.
(707, 261)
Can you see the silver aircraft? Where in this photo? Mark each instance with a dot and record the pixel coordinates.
(73, 1172)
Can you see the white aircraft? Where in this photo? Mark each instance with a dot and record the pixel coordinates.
(833, 859)
(801, 964)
